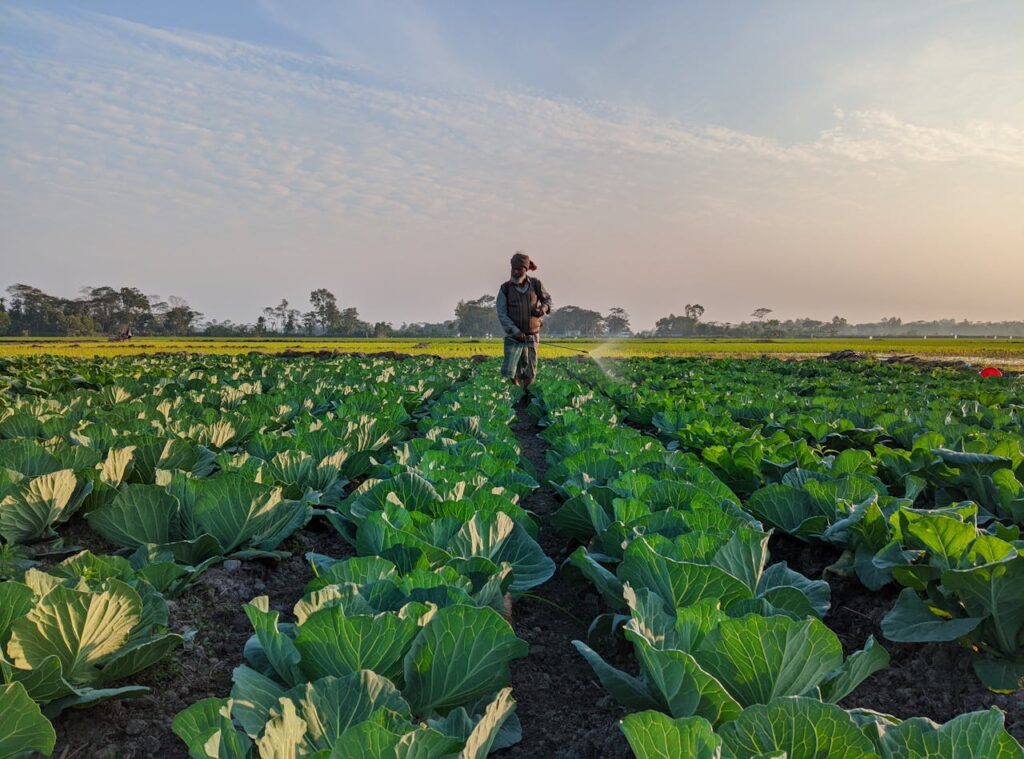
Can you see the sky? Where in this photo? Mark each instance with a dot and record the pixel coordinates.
(817, 158)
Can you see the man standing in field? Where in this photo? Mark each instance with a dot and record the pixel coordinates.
(522, 301)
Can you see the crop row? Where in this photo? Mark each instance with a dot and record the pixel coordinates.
(177, 469)
(733, 658)
(401, 651)
(917, 477)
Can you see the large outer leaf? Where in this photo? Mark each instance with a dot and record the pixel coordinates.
(253, 697)
(409, 489)
(995, 591)
(85, 697)
(138, 657)
(28, 458)
(29, 512)
(792, 511)
(683, 687)
(139, 514)
(628, 690)
(979, 462)
(759, 658)
(1000, 675)
(911, 621)
(81, 629)
(237, 511)
(530, 565)
(743, 556)
(944, 537)
(978, 735)
(607, 584)
(460, 655)
(499, 538)
(15, 601)
(859, 666)
(653, 735)
(788, 590)
(277, 647)
(678, 583)
(45, 682)
(803, 728)
(206, 729)
(23, 728)
(482, 736)
(331, 705)
(285, 734)
(333, 643)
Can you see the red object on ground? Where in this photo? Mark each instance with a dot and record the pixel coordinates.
(990, 371)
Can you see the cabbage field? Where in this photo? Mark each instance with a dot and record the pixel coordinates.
(364, 556)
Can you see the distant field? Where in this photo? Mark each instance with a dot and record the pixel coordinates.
(1009, 351)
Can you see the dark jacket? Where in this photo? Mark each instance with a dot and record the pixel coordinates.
(516, 309)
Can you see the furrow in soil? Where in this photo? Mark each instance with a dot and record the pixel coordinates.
(564, 711)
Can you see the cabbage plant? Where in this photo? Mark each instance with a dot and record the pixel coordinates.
(699, 661)
(964, 584)
(360, 714)
(182, 525)
(803, 728)
(68, 633)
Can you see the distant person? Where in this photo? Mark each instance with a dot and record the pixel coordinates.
(522, 302)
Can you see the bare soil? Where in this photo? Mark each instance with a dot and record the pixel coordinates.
(933, 680)
(565, 712)
(141, 727)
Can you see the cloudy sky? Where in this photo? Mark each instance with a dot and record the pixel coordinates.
(817, 158)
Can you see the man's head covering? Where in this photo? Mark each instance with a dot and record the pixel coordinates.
(523, 260)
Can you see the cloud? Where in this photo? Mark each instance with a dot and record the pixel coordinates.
(111, 109)
(108, 121)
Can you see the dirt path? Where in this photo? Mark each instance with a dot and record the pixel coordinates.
(564, 711)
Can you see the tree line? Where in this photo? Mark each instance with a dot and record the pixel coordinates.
(31, 312)
(28, 311)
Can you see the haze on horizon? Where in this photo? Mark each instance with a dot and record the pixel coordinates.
(862, 159)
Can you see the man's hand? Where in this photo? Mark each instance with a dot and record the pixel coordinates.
(520, 337)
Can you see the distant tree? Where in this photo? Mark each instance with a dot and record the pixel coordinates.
(77, 325)
(617, 321)
(309, 322)
(133, 307)
(383, 329)
(325, 306)
(575, 321)
(33, 312)
(269, 319)
(180, 317)
(676, 326)
(837, 325)
(760, 313)
(5, 322)
(281, 313)
(693, 312)
(351, 325)
(477, 317)
(292, 321)
(226, 328)
(103, 304)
